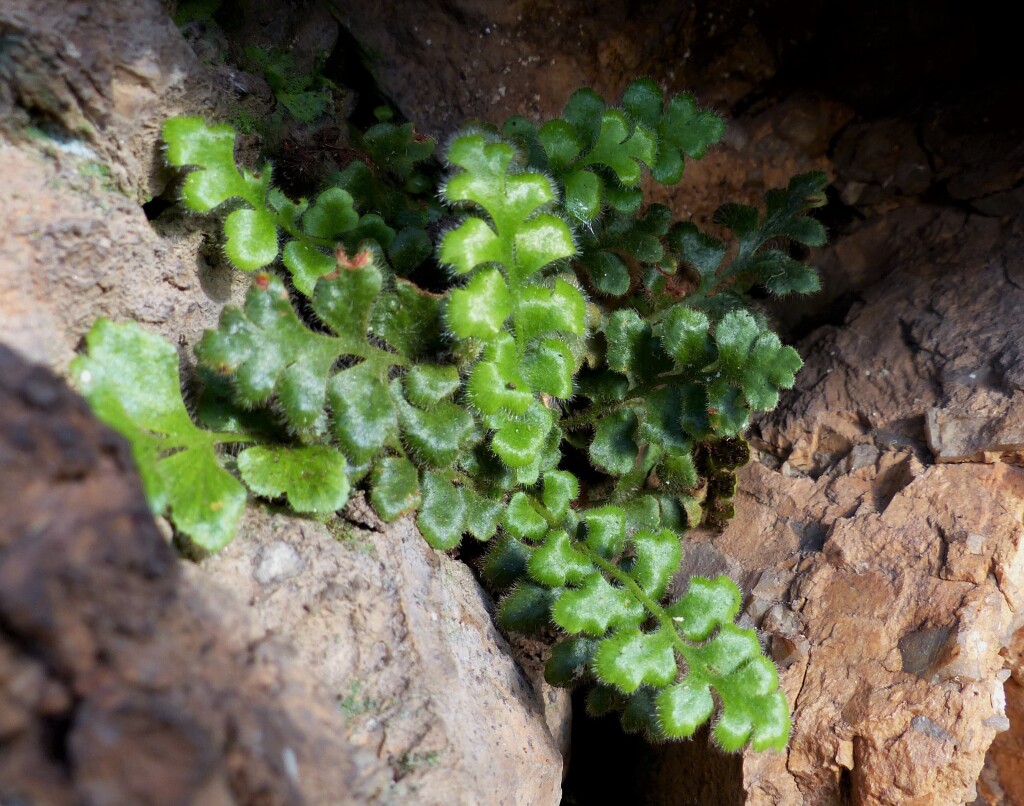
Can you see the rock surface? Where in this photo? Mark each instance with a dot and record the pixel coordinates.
(889, 585)
(122, 681)
(403, 639)
(83, 92)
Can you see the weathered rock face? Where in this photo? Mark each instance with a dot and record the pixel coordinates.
(889, 585)
(403, 638)
(99, 80)
(121, 681)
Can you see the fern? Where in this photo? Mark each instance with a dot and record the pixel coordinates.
(573, 319)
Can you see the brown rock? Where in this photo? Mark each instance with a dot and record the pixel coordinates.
(445, 64)
(120, 681)
(403, 640)
(96, 83)
(880, 161)
(890, 587)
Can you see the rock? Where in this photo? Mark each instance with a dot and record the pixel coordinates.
(402, 638)
(101, 79)
(445, 64)
(83, 92)
(880, 161)
(977, 146)
(891, 623)
(75, 250)
(122, 681)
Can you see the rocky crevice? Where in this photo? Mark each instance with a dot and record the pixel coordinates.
(878, 537)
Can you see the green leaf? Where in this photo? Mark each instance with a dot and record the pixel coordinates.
(482, 514)
(313, 478)
(660, 421)
(542, 310)
(640, 715)
(622, 199)
(364, 417)
(727, 410)
(519, 438)
(522, 520)
(397, 148)
(480, 309)
(735, 336)
(688, 129)
(596, 607)
(265, 350)
(608, 273)
(130, 378)
(568, 662)
(632, 348)
(344, 301)
(307, 264)
(772, 367)
(211, 149)
(744, 222)
(395, 487)
(583, 195)
(630, 658)
(642, 512)
(526, 609)
(782, 275)
(701, 252)
(549, 368)
(506, 562)
(753, 358)
(678, 470)
(409, 319)
(473, 243)
(540, 241)
(429, 384)
(643, 101)
(560, 490)
(436, 437)
(657, 559)
(708, 604)
(560, 144)
(684, 707)
(685, 335)
(251, 239)
(409, 249)
(620, 146)
(306, 107)
(683, 130)
(442, 515)
(371, 228)
(613, 449)
(602, 700)
(556, 563)
(584, 112)
(331, 214)
(496, 384)
(606, 530)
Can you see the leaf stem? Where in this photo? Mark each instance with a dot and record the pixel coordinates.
(655, 609)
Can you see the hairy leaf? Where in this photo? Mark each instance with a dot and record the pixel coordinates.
(313, 478)
(130, 378)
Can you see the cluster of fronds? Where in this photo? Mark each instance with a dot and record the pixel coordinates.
(562, 329)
